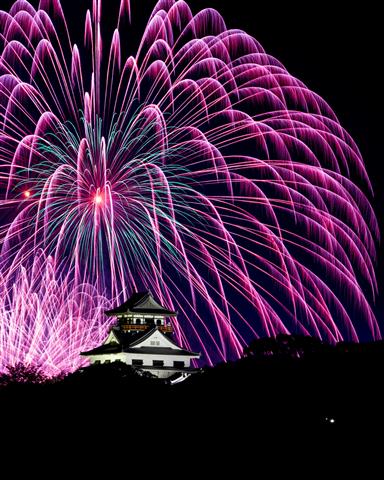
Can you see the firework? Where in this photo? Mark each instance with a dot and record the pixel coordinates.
(198, 167)
(46, 320)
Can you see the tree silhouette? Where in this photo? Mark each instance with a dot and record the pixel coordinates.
(284, 346)
(24, 374)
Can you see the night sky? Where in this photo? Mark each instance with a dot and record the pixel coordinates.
(335, 51)
(333, 47)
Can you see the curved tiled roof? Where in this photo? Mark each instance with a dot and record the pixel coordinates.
(143, 303)
(129, 344)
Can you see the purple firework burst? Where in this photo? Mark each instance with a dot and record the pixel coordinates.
(198, 168)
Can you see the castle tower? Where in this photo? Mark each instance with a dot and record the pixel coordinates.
(140, 313)
(142, 339)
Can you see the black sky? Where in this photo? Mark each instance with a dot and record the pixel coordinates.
(336, 49)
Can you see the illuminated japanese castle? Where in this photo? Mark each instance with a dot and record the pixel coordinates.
(142, 339)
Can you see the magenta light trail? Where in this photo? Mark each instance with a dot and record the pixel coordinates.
(46, 320)
(198, 168)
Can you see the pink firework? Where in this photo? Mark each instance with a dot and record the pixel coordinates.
(198, 168)
(46, 320)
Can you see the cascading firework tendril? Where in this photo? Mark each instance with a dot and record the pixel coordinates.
(46, 320)
(198, 168)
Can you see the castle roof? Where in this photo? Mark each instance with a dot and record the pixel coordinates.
(140, 344)
(142, 303)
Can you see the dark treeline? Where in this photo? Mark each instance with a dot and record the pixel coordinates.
(287, 381)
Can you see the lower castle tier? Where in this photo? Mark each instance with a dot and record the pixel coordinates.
(142, 339)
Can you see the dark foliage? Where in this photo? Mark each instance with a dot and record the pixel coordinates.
(285, 346)
(292, 382)
(21, 373)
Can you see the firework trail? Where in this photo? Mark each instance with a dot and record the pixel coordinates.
(197, 167)
(49, 329)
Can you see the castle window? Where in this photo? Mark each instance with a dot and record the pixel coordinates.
(136, 362)
(158, 363)
(178, 364)
(97, 362)
(138, 321)
(107, 361)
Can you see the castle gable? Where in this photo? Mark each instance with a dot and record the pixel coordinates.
(112, 338)
(154, 339)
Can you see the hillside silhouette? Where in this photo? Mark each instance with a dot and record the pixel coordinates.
(287, 381)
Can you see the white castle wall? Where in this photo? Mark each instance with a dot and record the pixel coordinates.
(146, 358)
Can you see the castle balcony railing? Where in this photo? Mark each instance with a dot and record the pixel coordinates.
(142, 328)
